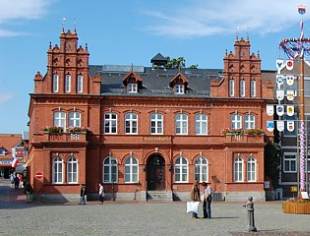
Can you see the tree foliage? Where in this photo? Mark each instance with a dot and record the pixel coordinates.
(176, 63)
(272, 162)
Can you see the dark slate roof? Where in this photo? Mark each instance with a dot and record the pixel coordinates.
(159, 57)
(156, 81)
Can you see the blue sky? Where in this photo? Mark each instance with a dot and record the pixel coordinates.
(132, 31)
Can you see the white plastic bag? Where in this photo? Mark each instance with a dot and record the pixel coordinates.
(192, 207)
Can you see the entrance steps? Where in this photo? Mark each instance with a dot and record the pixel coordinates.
(159, 196)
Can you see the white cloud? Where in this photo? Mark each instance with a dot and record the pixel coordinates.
(20, 10)
(203, 18)
(4, 97)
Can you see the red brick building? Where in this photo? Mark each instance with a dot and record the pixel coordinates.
(148, 132)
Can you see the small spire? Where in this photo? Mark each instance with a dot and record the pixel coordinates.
(258, 54)
(226, 52)
(86, 47)
(50, 46)
(74, 24)
(237, 33)
(131, 68)
(63, 24)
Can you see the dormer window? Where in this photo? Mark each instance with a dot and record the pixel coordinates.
(132, 87)
(179, 89)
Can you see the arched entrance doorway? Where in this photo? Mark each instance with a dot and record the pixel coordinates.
(155, 172)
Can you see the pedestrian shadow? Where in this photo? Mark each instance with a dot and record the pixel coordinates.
(225, 217)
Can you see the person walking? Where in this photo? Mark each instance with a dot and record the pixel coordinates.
(195, 197)
(101, 193)
(83, 195)
(207, 200)
(16, 182)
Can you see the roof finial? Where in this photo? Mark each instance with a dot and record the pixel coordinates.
(50, 46)
(131, 67)
(74, 24)
(63, 24)
(237, 33)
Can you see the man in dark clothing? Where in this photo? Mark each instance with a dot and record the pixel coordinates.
(83, 195)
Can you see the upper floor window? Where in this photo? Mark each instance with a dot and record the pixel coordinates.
(60, 119)
(238, 170)
(201, 124)
(131, 123)
(131, 170)
(179, 89)
(68, 84)
(181, 121)
(201, 169)
(253, 88)
(236, 121)
(181, 170)
(251, 169)
(74, 119)
(132, 87)
(110, 123)
(231, 88)
(242, 88)
(110, 170)
(55, 83)
(289, 163)
(57, 170)
(79, 84)
(72, 170)
(249, 121)
(156, 123)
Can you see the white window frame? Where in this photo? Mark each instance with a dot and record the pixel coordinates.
(231, 88)
(68, 84)
(71, 162)
(242, 88)
(157, 123)
(179, 88)
(251, 169)
(60, 119)
(201, 121)
(181, 166)
(289, 160)
(74, 119)
(131, 123)
(249, 121)
(79, 84)
(236, 121)
(58, 174)
(109, 123)
(55, 83)
(253, 88)
(201, 169)
(132, 87)
(238, 169)
(181, 124)
(131, 173)
(110, 166)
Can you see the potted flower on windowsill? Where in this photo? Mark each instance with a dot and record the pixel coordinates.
(54, 130)
(233, 132)
(254, 132)
(77, 130)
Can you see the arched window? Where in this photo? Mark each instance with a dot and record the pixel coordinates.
(201, 169)
(181, 123)
(60, 119)
(249, 121)
(236, 121)
(55, 83)
(57, 170)
(156, 123)
(68, 84)
(72, 170)
(181, 170)
(110, 123)
(201, 124)
(131, 170)
(238, 169)
(251, 169)
(110, 170)
(131, 123)
(74, 119)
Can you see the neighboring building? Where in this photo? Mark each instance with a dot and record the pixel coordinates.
(289, 164)
(10, 145)
(148, 132)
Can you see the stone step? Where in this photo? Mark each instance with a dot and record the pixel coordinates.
(159, 195)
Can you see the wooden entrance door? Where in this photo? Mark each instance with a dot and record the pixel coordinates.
(156, 173)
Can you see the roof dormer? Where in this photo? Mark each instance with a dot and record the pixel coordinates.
(179, 83)
(132, 82)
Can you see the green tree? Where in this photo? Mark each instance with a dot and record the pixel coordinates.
(272, 161)
(176, 63)
(195, 66)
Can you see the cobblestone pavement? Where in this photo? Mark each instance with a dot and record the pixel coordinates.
(119, 219)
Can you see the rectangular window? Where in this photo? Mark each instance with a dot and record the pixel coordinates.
(181, 121)
(242, 88)
(68, 84)
(289, 163)
(201, 124)
(249, 121)
(253, 88)
(236, 121)
(179, 89)
(79, 84)
(132, 88)
(156, 123)
(55, 83)
(231, 88)
(110, 123)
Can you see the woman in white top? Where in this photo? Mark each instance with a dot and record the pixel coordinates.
(101, 193)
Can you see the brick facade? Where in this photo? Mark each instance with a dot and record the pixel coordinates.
(90, 145)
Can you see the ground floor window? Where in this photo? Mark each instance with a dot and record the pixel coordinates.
(109, 170)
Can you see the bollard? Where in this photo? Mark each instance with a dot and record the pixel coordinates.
(250, 209)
